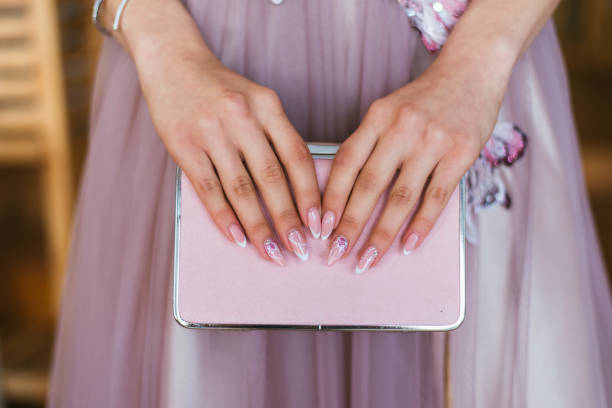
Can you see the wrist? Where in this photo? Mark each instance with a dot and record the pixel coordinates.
(151, 30)
(484, 63)
(482, 49)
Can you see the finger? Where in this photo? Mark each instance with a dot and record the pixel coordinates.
(353, 154)
(297, 161)
(349, 160)
(371, 182)
(201, 173)
(443, 182)
(268, 175)
(402, 198)
(240, 191)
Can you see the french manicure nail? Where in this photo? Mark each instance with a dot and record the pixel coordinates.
(298, 243)
(238, 235)
(314, 222)
(338, 248)
(273, 251)
(411, 243)
(329, 219)
(366, 260)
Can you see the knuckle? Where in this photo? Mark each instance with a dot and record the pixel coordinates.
(409, 115)
(350, 222)
(332, 199)
(300, 154)
(344, 156)
(400, 196)
(382, 236)
(209, 185)
(235, 103)
(408, 111)
(437, 194)
(367, 180)
(423, 224)
(378, 107)
(223, 214)
(268, 96)
(286, 217)
(409, 119)
(242, 186)
(271, 173)
(436, 133)
(258, 228)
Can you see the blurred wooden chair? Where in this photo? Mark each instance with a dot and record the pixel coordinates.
(33, 118)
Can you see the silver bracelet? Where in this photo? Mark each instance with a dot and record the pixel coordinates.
(118, 15)
(116, 21)
(94, 17)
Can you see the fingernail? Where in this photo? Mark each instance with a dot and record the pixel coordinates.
(298, 243)
(328, 222)
(238, 235)
(338, 248)
(273, 251)
(366, 260)
(314, 222)
(411, 242)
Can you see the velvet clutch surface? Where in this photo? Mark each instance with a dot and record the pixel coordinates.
(218, 284)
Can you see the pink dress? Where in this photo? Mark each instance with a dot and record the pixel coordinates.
(538, 328)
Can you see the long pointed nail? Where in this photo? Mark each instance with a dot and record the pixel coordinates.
(298, 243)
(238, 235)
(327, 225)
(411, 243)
(314, 222)
(273, 251)
(338, 248)
(367, 259)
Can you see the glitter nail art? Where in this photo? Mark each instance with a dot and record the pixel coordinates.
(367, 259)
(273, 251)
(338, 248)
(298, 243)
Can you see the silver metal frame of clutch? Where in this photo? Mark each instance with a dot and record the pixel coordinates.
(318, 151)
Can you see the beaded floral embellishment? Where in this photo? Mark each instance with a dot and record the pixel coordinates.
(484, 186)
(433, 18)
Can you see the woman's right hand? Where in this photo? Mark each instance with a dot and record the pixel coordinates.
(228, 135)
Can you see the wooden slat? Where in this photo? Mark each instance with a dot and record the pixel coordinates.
(14, 27)
(19, 119)
(14, 3)
(14, 152)
(17, 88)
(25, 386)
(598, 169)
(17, 57)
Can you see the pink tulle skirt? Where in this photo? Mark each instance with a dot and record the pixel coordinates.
(538, 328)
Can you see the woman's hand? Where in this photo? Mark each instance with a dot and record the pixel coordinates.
(228, 135)
(433, 127)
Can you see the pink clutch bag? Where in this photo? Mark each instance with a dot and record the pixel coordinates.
(217, 284)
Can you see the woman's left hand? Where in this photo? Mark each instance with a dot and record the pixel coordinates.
(434, 126)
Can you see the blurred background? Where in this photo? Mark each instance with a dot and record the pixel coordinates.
(48, 52)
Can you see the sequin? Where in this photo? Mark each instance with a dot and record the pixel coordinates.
(434, 19)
